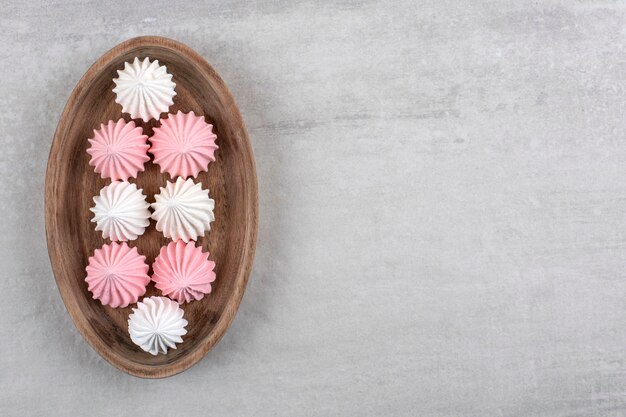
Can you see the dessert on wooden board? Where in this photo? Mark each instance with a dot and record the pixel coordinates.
(121, 211)
(117, 275)
(157, 325)
(183, 272)
(118, 150)
(182, 145)
(144, 89)
(71, 183)
(183, 210)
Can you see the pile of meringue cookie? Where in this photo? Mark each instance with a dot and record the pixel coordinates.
(182, 145)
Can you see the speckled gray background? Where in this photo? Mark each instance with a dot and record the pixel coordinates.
(442, 199)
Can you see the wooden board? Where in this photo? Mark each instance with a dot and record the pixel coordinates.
(71, 185)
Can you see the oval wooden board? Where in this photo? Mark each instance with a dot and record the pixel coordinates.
(71, 185)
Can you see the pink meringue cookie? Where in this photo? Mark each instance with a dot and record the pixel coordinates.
(118, 150)
(183, 272)
(183, 145)
(117, 275)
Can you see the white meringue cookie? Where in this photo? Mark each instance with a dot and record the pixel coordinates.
(183, 210)
(144, 89)
(121, 211)
(157, 324)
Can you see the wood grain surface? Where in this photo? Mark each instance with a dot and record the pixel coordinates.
(71, 185)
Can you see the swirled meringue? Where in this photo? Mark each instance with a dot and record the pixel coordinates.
(117, 275)
(157, 324)
(183, 210)
(183, 272)
(121, 211)
(144, 89)
(118, 150)
(183, 145)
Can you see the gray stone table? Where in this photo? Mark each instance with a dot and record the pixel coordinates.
(442, 208)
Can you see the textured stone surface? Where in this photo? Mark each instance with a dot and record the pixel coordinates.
(443, 194)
